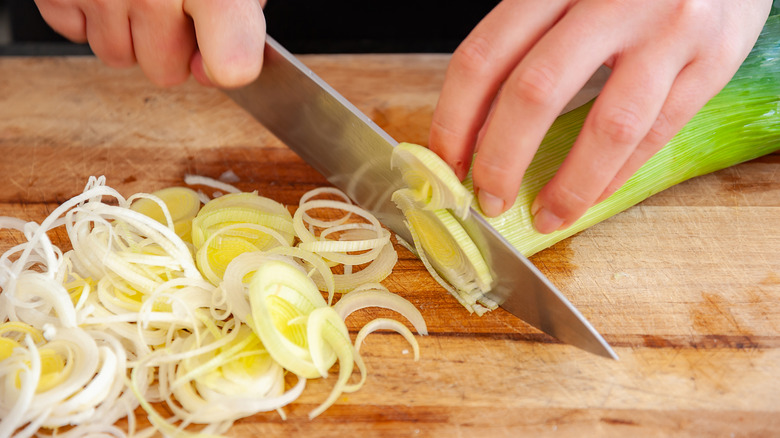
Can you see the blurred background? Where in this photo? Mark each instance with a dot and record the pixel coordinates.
(303, 26)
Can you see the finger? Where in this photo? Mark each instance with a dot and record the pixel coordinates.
(688, 95)
(108, 32)
(532, 97)
(477, 69)
(163, 40)
(65, 18)
(230, 36)
(666, 125)
(620, 119)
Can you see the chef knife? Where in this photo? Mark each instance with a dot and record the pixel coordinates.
(353, 153)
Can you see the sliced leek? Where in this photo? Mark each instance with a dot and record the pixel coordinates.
(388, 324)
(430, 182)
(237, 223)
(447, 251)
(344, 234)
(173, 205)
(377, 295)
(207, 328)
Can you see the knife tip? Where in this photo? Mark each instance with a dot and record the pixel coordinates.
(606, 351)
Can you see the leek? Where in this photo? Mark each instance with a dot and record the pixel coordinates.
(206, 309)
(740, 123)
(181, 204)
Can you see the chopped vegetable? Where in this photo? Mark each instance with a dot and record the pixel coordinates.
(440, 241)
(137, 314)
(182, 201)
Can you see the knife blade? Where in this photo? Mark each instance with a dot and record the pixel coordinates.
(353, 153)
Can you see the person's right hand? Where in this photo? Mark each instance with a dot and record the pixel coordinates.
(219, 42)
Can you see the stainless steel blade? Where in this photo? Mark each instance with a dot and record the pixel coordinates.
(353, 153)
(327, 131)
(522, 290)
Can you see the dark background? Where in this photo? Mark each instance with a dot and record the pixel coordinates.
(303, 26)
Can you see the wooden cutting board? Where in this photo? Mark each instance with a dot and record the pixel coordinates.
(685, 286)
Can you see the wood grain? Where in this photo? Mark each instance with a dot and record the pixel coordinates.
(685, 286)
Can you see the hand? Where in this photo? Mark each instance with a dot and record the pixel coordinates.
(510, 78)
(219, 41)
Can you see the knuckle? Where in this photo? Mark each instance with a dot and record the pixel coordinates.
(443, 136)
(701, 20)
(496, 175)
(694, 10)
(566, 201)
(454, 146)
(474, 57)
(534, 85)
(618, 125)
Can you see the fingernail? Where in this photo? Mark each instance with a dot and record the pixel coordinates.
(490, 204)
(535, 206)
(546, 221)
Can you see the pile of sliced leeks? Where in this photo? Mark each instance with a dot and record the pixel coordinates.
(213, 313)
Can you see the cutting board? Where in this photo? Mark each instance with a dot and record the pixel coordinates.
(685, 286)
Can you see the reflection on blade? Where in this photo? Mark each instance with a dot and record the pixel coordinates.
(327, 131)
(344, 145)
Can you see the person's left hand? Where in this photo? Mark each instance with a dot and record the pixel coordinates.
(510, 78)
